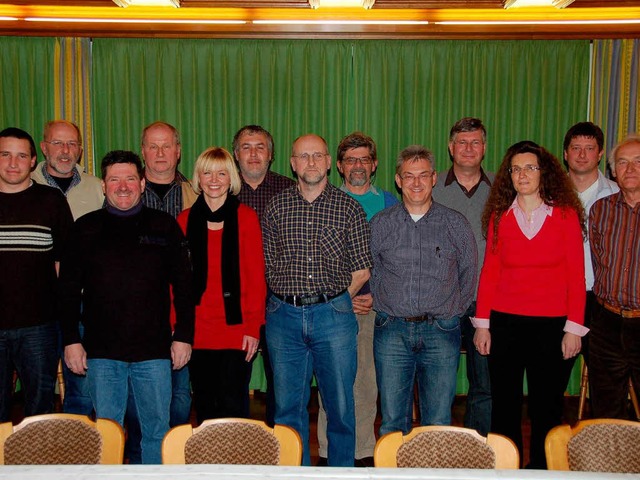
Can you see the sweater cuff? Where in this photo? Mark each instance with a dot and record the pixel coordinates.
(480, 322)
(575, 328)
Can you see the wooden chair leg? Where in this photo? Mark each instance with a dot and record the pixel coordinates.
(634, 399)
(584, 388)
(60, 379)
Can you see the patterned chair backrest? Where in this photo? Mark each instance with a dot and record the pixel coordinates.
(233, 443)
(606, 448)
(445, 449)
(53, 442)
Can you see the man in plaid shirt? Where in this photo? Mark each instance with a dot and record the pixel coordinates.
(316, 243)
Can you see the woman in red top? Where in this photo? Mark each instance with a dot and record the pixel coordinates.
(229, 285)
(531, 295)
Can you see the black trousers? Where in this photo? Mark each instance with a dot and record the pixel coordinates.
(614, 358)
(220, 382)
(522, 344)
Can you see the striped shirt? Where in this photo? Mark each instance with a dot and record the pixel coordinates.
(614, 234)
(312, 248)
(172, 202)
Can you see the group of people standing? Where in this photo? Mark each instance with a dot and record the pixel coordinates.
(366, 293)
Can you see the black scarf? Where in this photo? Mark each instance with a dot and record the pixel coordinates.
(197, 235)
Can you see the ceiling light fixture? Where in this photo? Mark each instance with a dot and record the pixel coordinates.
(367, 4)
(147, 3)
(136, 20)
(340, 22)
(536, 3)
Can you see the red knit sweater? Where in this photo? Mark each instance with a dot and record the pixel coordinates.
(211, 329)
(543, 276)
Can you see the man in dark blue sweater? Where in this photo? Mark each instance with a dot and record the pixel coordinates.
(126, 261)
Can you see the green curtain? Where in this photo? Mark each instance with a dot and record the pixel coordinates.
(615, 92)
(209, 89)
(399, 92)
(26, 83)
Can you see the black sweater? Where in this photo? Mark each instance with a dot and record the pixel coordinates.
(122, 269)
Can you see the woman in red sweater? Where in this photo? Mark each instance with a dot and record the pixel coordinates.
(531, 296)
(229, 285)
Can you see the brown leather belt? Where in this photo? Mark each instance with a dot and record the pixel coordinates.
(623, 312)
(419, 318)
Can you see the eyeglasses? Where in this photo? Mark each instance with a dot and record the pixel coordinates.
(466, 143)
(353, 160)
(317, 156)
(410, 177)
(527, 169)
(624, 163)
(59, 144)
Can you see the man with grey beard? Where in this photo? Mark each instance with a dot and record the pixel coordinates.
(357, 164)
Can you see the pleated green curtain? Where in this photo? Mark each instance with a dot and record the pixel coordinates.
(26, 84)
(72, 90)
(615, 92)
(209, 89)
(399, 92)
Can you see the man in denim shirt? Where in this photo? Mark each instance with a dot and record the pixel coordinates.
(424, 276)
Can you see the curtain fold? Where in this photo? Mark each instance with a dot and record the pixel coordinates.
(72, 90)
(615, 94)
(26, 83)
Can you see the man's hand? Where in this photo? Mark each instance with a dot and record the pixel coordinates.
(250, 344)
(76, 358)
(180, 354)
(362, 304)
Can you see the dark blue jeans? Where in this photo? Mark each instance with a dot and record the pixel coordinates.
(77, 398)
(318, 338)
(404, 352)
(478, 412)
(33, 352)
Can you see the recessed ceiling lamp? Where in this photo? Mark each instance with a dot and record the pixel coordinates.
(536, 3)
(342, 3)
(147, 3)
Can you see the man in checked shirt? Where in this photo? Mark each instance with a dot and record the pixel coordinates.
(316, 245)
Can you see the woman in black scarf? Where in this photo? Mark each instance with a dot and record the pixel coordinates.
(229, 285)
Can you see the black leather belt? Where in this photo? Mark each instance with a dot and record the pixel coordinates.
(304, 300)
(419, 318)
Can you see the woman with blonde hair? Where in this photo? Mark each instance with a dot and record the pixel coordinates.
(229, 286)
(531, 295)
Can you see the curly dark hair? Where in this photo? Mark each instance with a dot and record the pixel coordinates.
(555, 187)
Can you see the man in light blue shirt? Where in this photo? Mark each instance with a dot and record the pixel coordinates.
(357, 164)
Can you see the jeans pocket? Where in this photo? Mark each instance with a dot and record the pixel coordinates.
(273, 304)
(342, 304)
(381, 320)
(448, 324)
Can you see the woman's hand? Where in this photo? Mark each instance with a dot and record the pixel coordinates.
(571, 345)
(250, 344)
(482, 341)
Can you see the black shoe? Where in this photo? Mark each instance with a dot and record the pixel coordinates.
(365, 462)
(322, 462)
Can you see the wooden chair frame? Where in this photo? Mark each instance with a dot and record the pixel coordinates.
(175, 440)
(556, 445)
(386, 450)
(110, 431)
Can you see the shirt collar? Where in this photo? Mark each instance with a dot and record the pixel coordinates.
(371, 189)
(52, 182)
(544, 208)
(451, 177)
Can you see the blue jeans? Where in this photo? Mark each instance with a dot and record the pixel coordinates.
(478, 412)
(179, 413)
(318, 338)
(33, 352)
(77, 398)
(428, 351)
(150, 383)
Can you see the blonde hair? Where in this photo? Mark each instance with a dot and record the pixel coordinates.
(216, 158)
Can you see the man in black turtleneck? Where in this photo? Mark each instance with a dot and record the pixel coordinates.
(125, 260)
